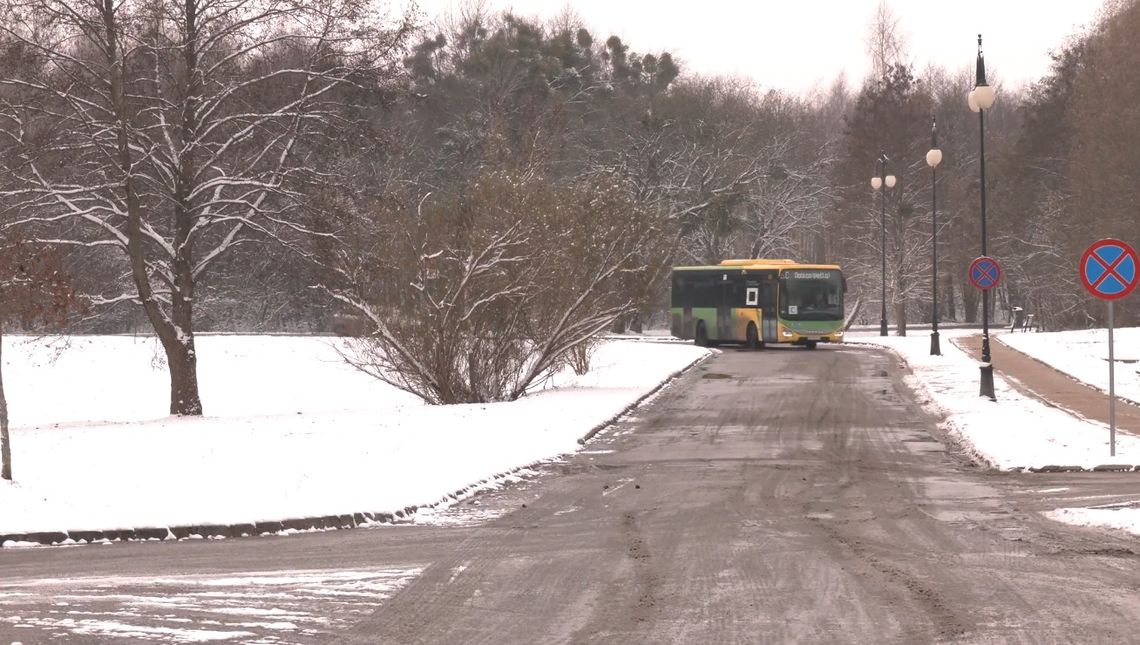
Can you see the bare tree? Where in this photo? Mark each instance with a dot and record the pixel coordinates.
(693, 158)
(886, 42)
(173, 132)
(479, 296)
(786, 204)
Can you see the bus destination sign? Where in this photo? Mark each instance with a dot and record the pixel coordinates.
(809, 275)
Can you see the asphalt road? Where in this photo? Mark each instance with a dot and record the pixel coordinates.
(766, 497)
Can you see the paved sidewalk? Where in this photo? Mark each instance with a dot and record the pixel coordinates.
(1034, 378)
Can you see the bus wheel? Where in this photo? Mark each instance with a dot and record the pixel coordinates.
(701, 337)
(753, 338)
(810, 344)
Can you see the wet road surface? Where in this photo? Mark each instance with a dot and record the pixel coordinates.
(766, 497)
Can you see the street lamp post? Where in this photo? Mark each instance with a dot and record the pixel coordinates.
(878, 183)
(980, 99)
(933, 158)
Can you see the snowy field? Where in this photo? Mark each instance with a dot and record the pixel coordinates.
(1083, 354)
(291, 431)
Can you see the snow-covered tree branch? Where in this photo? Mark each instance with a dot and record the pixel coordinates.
(178, 132)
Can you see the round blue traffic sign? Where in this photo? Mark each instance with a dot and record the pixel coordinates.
(1108, 269)
(984, 273)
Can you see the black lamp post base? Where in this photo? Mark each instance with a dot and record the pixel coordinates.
(987, 389)
(883, 327)
(935, 348)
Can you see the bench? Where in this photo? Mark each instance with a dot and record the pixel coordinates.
(1023, 321)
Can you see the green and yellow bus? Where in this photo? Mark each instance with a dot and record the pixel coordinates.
(757, 302)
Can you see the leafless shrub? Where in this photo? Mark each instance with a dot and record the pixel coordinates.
(579, 356)
(478, 296)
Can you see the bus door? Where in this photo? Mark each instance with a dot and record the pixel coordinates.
(768, 316)
(724, 310)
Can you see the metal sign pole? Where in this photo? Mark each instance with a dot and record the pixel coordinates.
(1111, 388)
(1110, 270)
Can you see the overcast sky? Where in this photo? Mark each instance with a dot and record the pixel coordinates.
(797, 44)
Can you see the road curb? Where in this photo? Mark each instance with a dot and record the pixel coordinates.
(660, 386)
(248, 529)
(1101, 468)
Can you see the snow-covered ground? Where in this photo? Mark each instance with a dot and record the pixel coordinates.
(291, 431)
(1018, 431)
(1083, 354)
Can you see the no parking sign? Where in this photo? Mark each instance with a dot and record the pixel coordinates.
(984, 273)
(1109, 271)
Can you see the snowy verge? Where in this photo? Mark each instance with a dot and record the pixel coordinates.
(1083, 355)
(299, 440)
(1014, 433)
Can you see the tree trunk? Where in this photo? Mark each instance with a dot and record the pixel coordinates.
(900, 318)
(177, 332)
(181, 353)
(182, 360)
(970, 303)
(949, 311)
(618, 326)
(5, 440)
(635, 324)
(853, 316)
